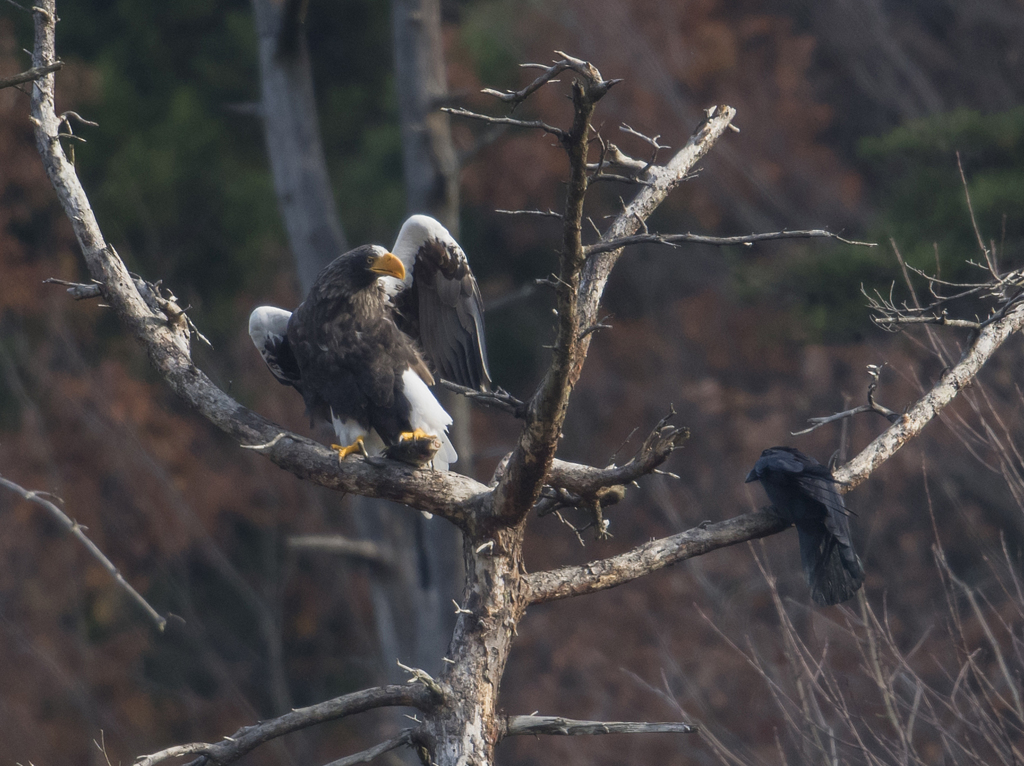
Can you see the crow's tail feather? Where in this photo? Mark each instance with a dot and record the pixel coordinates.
(833, 569)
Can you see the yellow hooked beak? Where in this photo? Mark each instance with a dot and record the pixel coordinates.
(388, 265)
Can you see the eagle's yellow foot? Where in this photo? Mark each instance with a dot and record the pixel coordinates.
(419, 433)
(344, 452)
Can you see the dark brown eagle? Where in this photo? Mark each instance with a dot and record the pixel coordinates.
(351, 347)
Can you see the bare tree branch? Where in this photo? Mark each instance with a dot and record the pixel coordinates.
(30, 74)
(542, 213)
(499, 399)
(460, 112)
(664, 179)
(952, 382)
(584, 68)
(615, 157)
(547, 724)
(874, 370)
(192, 748)
(377, 750)
(585, 480)
(248, 738)
(650, 557)
(523, 478)
(990, 262)
(338, 545)
(78, 531)
(607, 246)
(77, 290)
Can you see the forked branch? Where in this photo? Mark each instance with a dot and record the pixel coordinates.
(874, 370)
(584, 68)
(248, 738)
(523, 478)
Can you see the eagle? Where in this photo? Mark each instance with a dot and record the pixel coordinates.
(376, 327)
(803, 492)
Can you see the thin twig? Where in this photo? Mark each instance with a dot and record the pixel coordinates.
(974, 221)
(544, 213)
(369, 754)
(339, 545)
(69, 115)
(748, 239)
(874, 370)
(499, 399)
(77, 290)
(538, 124)
(77, 530)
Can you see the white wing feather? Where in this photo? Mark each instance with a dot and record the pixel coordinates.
(428, 414)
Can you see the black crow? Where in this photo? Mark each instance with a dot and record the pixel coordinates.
(803, 492)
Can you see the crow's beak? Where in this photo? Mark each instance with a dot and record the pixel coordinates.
(752, 476)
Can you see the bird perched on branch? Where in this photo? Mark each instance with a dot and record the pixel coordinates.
(350, 347)
(804, 493)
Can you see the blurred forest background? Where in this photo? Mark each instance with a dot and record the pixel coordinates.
(851, 117)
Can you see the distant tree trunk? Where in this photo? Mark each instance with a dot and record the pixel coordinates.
(414, 621)
(429, 159)
(294, 147)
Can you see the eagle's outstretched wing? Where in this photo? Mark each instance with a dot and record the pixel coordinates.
(268, 328)
(438, 303)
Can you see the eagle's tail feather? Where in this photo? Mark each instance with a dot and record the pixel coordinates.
(428, 414)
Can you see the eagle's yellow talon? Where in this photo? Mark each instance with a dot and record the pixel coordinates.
(344, 452)
(419, 433)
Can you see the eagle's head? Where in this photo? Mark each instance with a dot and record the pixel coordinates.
(359, 269)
